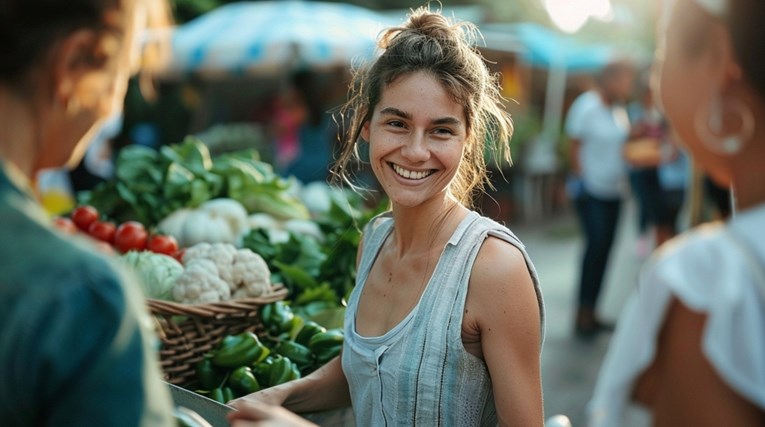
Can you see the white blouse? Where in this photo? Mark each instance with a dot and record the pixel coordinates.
(716, 269)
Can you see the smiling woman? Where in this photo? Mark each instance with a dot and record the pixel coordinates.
(444, 325)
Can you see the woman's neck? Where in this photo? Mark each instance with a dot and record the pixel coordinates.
(421, 228)
(17, 138)
(748, 192)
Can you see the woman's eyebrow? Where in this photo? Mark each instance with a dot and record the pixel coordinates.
(403, 114)
(396, 112)
(447, 121)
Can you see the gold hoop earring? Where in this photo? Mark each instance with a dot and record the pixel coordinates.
(709, 124)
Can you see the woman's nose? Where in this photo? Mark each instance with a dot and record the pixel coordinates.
(415, 149)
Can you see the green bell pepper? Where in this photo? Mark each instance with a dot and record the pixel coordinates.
(216, 394)
(326, 340)
(310, 328)
(243, 381)
(228, 394)
(325, 355)
(277, 317)
(297, 353)
(282, 371)
(262, 371)
(239, 350)
(208, 374)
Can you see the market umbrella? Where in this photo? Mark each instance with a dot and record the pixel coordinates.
(249, 37)
(547, 48)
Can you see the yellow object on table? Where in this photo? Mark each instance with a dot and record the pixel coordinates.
(57, 202)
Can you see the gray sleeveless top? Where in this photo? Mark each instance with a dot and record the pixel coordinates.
(419, 372)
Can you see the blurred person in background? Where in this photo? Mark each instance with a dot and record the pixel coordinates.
(316, 134)
(690, 344)
(598, 126)
(290, 113)
(674, 175)
(75, 349)
(659, 170)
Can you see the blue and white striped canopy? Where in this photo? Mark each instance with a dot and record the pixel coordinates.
(264, 36)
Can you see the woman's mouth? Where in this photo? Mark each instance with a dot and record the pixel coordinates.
(410, 174)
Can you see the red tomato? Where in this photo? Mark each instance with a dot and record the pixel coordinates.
(130, 236)
(64, 224)
(162, 244)
(103, 231)
(84, 216)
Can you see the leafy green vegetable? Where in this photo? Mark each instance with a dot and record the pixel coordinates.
(342, 226)
(150, 185)
(318, 273)
(158, 273)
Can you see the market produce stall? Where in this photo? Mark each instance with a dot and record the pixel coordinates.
(245, 272)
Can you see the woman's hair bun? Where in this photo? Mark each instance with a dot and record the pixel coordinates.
(425, 23)
(430, 24)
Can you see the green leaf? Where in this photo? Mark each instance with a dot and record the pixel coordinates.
(126, 194)
(304, 252)
(134, 162)
(321, 293)
(258, 242)
(214, 183)
(241, 166)
(274, 202)
(178, 181)
(296, 276)
(330, 318)
(191, 153)
(200, 193)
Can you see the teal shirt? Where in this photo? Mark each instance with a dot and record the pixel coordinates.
(75, 349)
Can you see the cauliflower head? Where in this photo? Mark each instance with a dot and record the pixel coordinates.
(200, 283)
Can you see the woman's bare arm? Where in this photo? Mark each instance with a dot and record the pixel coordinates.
(502, 293)
(682, 387)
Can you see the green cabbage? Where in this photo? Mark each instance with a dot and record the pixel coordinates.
(157, 273)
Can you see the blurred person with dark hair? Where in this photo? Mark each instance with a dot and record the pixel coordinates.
(598, 126)
(690, 344)
(316, 133)
(75, 349)
(659, 170)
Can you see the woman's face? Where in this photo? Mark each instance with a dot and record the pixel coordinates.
(688, 69)
(416, 135)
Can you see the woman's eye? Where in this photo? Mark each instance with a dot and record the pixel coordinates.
(396, 124)
(443, 131)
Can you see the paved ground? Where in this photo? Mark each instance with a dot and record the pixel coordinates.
(570, 366)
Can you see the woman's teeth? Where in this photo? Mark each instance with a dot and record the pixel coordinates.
(411, 174)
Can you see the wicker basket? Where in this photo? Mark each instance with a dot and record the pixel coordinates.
(188, 331)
